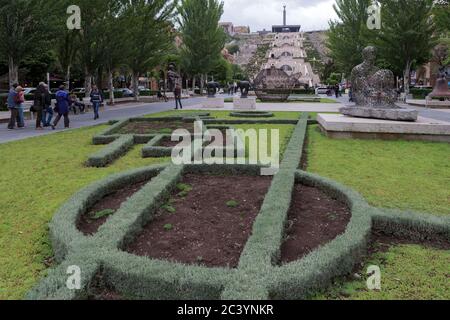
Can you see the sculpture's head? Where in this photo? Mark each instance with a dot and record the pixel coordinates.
(370, 54)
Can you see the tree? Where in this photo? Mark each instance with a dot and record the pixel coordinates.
(349, 36)
(92, 40)
(223, 72)
(407, 34)
(203, 38)
(148, 35)
(24, 29)
(441, 17)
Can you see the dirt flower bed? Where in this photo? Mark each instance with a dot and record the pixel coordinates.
(156, 127)
(89, 223)
(314, 220)
(207, 221)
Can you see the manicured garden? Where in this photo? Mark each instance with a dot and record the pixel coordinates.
(403, 175)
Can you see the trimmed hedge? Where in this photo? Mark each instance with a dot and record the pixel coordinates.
(259, 274)
(110, 153)
(252, 114)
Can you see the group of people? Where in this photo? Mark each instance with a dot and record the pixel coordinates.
(42, 106)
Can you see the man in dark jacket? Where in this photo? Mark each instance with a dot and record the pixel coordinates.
(62, 106)
(39, 104)
(96, 99)
(177, 94)
(48, 111)
(12, 106)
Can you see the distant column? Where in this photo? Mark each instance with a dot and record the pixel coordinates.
(284, 16)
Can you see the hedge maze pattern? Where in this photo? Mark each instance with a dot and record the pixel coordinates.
(258, 276)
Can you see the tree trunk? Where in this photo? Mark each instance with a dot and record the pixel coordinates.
(201, 84)
(87, 84)
(193, 85)
(136, 86)
(13, 72)
(68, 77)
(111, 88)
(406, 78)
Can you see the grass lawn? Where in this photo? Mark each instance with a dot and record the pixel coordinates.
(38, 176)
(390, 174)
(406, 274)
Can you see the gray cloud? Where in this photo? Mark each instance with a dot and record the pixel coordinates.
(260, 14)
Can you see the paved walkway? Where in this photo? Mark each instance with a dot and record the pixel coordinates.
(84, 120)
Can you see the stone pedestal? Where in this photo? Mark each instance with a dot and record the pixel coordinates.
(214, 103)
(398, 114)
(343, 127)
(244, 103)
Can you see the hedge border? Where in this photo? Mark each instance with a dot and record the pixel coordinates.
(252, 114)
(258, 276)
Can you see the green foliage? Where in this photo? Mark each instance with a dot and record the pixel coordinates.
(24, 30)
(169, 208)
(102, 214)
(184, 189)
(168, 227)
(406, 38)
(203, 38)
(148, 34)
(223, 72)
(232, 204)
(334, 79)
(348, 37)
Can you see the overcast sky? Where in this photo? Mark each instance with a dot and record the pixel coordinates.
(260, 14)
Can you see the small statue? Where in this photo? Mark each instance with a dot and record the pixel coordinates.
(173, 77)
(213, 87)
(244, 87)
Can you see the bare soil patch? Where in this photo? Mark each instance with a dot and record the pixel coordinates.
(156, 127)
(89, 224)
(315, 219)
(207, 221)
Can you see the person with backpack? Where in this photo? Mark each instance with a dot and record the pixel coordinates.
(62, 107)
(96, 100)
(12, 106)
(20, 100)
(39, 104)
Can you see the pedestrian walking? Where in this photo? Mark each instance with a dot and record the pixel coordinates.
(62, 107)
(177, 94)
(47, 115)
(96, 100)
(12, 106)
(39, 104)
(20, 100)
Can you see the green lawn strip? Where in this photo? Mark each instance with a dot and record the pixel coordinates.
(285, 133)
(391, 174)
(39, 175)
(406, 274)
